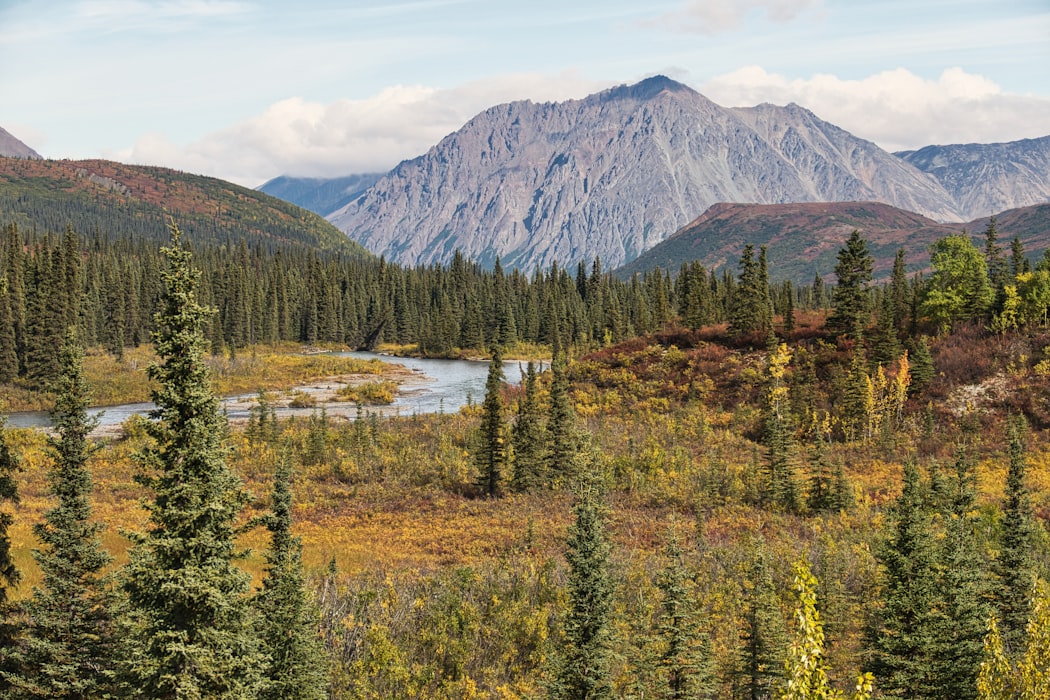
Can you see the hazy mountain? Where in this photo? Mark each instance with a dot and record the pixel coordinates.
(318, 194)
(614, 174)
(804, 239)
(128, 200)
(11, 147)
(986, 178)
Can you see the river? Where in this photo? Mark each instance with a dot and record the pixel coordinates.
(444, 385)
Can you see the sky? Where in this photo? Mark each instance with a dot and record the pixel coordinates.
(248, 90)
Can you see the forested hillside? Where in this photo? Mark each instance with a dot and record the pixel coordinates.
(118, 201)
(721, 488)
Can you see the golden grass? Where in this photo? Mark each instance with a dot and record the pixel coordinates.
(263, 367)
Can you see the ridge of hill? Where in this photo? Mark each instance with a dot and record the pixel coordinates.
(131, 200)
(804, 239)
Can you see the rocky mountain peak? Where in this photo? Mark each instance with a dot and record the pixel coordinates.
(614, 174)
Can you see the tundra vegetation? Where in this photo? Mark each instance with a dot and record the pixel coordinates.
(721, 488)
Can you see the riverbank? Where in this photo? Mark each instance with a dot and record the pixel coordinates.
(275, 368)
(519, 352)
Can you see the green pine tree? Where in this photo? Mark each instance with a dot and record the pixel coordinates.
(903, 634)
(68, 648)
(959, 624)
(763, 638)
(583, 671)
(850, 296)
(527, 437)
(685, 660)
(1014, 568)
(491, 455)
(296, 664)
(189, 631)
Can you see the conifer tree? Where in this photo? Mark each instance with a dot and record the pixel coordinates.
(188, 628)
(902, 637)
(1018, 259)
(750, 308)
(583, 671)
(561, 423)
(491, 456)
(69, 643)
(8, 347)
(9, 574)
(900, 292)
(763, 638)
(959, 623)
(527, 437)
(686, 657)
(296, 663)
(850, 296)
(1014, 568)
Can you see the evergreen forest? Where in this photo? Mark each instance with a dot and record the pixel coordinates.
(711, 486)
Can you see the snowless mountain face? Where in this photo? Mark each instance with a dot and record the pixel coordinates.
(986, 178)
(614, 174)
(11, 147)
(320, 195)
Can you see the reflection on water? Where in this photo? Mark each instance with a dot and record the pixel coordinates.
(449, 385)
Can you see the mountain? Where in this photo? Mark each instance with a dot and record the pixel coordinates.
(129, 200)
(614, 174)
(11, 147)
(320, 195)
(804, 239)
(986, 178)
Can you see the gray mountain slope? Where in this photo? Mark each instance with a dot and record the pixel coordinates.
(613, 174)
(986, 178)
(11, 147)
(320, 195)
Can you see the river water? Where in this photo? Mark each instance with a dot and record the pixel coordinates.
(446, 386)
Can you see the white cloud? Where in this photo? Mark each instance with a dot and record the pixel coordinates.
(897, 109)
(715, 16)
(348, 136)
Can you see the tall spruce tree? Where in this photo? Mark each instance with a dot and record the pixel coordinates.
(562, 439)
(750, 309)
(527, 437)
(1014, 569)
(492, 440)
(583, 671)
(763, 638)
(850, 296)
(959, 623)
(296, 662)
(902, 636)
(685, 660)
(9, 574)
(189, 629)
(68, 648)
(8, 346)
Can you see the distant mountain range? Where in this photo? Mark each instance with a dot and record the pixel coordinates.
(11, 147)
(320, 195)
(127, 200)
(614, 174)
(986, 178)
(804, 239)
